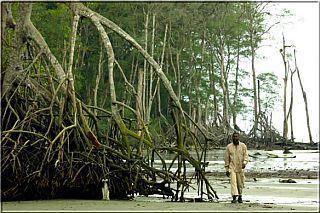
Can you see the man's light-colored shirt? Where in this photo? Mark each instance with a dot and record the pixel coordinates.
(235, 157)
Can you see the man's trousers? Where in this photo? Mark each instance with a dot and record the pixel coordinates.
(237, 182)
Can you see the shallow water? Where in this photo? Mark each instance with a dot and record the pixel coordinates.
(305, 159)
(268, 190)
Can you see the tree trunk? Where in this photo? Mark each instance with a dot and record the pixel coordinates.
(151, 96)
(139, 108)
(213, 87)
(190, 101)
(291, 106)
(254, 80)
(259, 106)
(69, 72)
(285, 79)
(235, 95)
(157, 87)
(199, 79)
(178, 75)
(259, 100)
(224, 89)
(304, 98)
(98, 78)
(6, 19)
(144, 85)
(19, 39)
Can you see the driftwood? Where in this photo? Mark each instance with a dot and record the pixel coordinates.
(287, 181)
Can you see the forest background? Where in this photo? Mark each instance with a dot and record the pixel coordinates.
(96, 90)
(299, 24)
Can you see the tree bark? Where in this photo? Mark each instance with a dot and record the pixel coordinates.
(69, 72)
(16, 56)
(139, 107)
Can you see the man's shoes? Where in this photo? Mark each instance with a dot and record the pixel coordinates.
(234, 199)
(240, 199)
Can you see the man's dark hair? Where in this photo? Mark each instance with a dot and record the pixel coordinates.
(235, 133)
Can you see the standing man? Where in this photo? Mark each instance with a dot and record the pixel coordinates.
(236, 159)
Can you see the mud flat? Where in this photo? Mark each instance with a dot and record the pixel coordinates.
(263, 191)
(143, 206)
(297, 174)
(264, 194)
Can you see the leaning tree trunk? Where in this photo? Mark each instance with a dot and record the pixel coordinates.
(304, 98)
(84, 11)
(179, 117)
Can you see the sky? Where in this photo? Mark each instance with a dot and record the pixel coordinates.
(301, 30)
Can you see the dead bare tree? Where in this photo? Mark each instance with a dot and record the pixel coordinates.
(291, 104)
(304, 95)
(285, 80)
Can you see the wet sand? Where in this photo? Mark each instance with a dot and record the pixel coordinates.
(144, 206)
(263, 191)
(265, 194)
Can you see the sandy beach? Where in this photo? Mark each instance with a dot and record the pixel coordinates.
(263, 191)
(265, 194)
(144, 206)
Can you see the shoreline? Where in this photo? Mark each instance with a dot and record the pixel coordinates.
(145, 206)
(293, 174)
(265, 194)
(277, 146)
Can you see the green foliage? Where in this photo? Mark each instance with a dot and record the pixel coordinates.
(53, 20)
(269, 89)
(196, 31)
